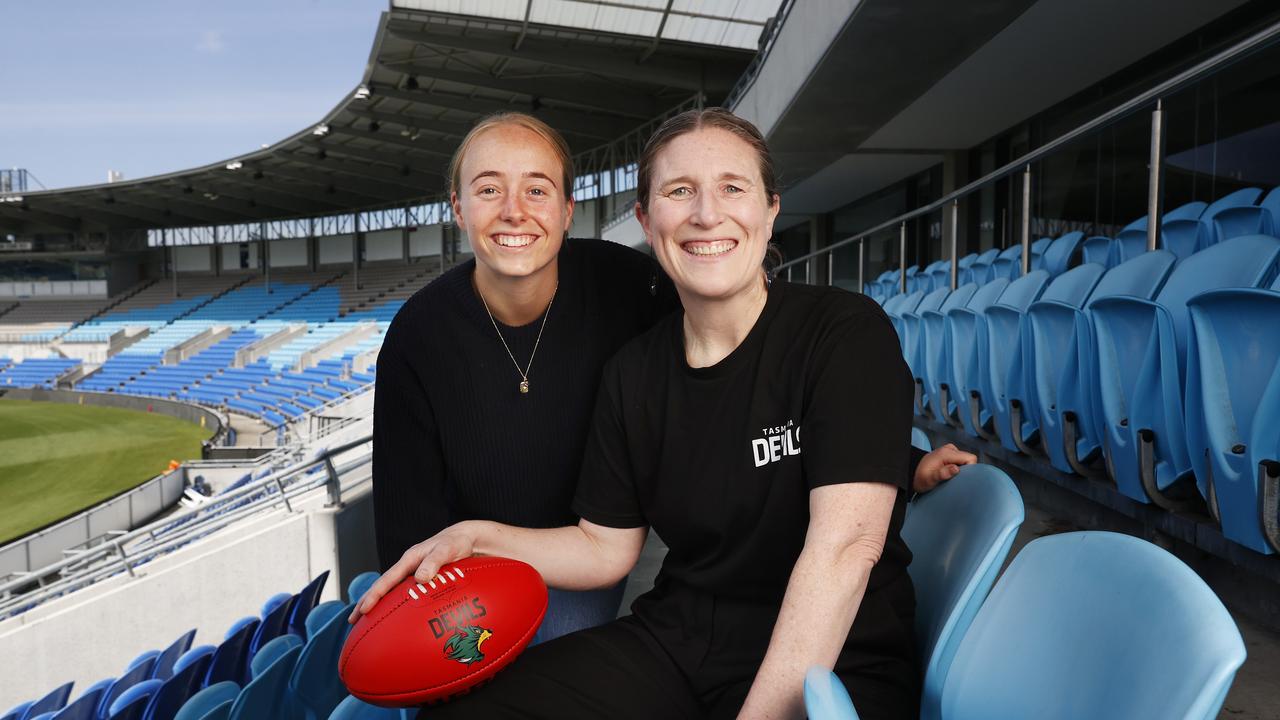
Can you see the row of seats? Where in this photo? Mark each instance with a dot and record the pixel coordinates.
(36, 372)
(1161, 368)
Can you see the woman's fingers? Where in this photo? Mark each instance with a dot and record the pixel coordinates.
(389, 579)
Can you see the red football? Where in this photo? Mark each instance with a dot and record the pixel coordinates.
(426, 642)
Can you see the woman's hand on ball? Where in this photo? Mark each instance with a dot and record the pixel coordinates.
(423, 561)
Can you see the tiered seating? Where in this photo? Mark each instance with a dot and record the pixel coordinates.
(168, 380)
(381, 283)
(152, 307)
(36, 372)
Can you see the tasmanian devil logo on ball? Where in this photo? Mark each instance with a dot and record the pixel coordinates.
(464, 646)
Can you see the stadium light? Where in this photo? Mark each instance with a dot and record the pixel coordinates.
(235, 165)
(321, 130)
(362, 92)
(11, 198)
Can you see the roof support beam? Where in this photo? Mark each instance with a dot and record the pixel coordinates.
(426, 145)
(447, 128)
(351, 192)
(279, 204)
(413, 182)
(394, 160)
(338, 202)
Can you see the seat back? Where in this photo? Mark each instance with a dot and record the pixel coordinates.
(959, 535)
(201, 703)
(267, 695)
(315, 684)
(980, 271)
(1098, 249)
(177, 689)
(138, 672)
(1133, 632)
(1004, 378)
(1246, 198)
(229, 660)
(141, 691)
(321, 613)
(54, 700)
(275, 622)
(360, 585)
(164, 662)
(1057, 257)
(910, 328)
(1037, 252)
(271, 652)
(192, 656)
(966, 345)
(934, 356)
(1180, 229)
(920, 440)
(1008, 264)
(306, 600)
(85, 707)
(1257, 219)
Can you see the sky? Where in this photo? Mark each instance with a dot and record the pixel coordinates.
(147, 87)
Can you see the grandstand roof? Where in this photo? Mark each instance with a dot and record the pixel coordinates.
(593, 69)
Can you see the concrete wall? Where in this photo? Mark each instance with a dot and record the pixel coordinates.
(197, 258)
(231, 256)
(383, 245)
(425, 241)
(335, 249)
(288, 253)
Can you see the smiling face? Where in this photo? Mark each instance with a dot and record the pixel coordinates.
(709, 217)
(510, 202)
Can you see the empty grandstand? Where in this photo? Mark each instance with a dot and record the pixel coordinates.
(1070, 212)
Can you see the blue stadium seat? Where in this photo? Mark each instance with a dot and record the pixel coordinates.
(273, 624)
(1233, 408)
(132, 703)
(17, 712)
(966, 342)
(1260, 219)
(1008, 264)
(218, 695)
(1095, 625)
(918, 439)
(164, 662)
(959, 534)
(980, 270)
(354, 709)
(1099, 249)
(910, 331)
(231, 658)
(275, 601)
(305, 601)
(138, 671)
(321, 614)
(1058, 255)
(267, 695)
(1131, 241)
(1190, 232)
(1141, 346)
(193, 656)
(360, 584)
(1005, 382)
(1038, 247)
(85, 707)
(934, 351)
(316, 687)
(50, 703)
(271, 652)
(1052, 323)
(177, 689)
(939, 273)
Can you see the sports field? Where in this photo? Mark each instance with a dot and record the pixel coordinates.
(58, 459)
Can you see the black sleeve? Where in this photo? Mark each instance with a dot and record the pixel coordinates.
(857, 423)
(606, 492)
(408, 466)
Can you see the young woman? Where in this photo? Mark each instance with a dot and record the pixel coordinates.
(764, 434)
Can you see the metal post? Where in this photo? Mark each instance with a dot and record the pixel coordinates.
(831, 265)
(334, 486)
(1153, 183)
(124, 558)
(355, 252)
(902, 255)
(955, 260)
(266, 255)
(1026, 220)
(173, 258)
(280, 486)
(862, 263)
(807, 264)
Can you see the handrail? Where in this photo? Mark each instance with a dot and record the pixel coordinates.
(1235, 52)
(104, 551)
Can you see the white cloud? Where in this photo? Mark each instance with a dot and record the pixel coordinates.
(210, 42)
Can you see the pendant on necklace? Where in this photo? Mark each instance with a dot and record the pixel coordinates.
(524, 387)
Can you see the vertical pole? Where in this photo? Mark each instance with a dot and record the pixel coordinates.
(902, 257)
(265, 255)
(355, 252)
(862, 264)
(173, 258)
(217, 254)
(807, 264)
(1153, 182)
(1026, 220)
(955, 260)
(831, 265)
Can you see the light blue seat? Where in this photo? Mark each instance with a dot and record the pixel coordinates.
(963, 266)
(934, 352)
(132, 703)
(1008, 264)
(360, 585)
(1073, 402)
(1142, 348)
(910, 330)
(1005, 381)
(1233, 409)
(1099, 249)
(271, 652)
(321, 613)
(1131, 241)
(939, 273)
(1051, 322)
(164, 662)
(355, 709)
(218, 695)
(1037, 252)
(979, 271)
(275, 601)
(1197, 233)
(314, 683)
(1180, 229)
(267, 695)
(966, 345)
(177, 689)
(959, 534)
(1057, 256)
(192, 656)
(1095, 625)
(1257, 219)
(920, 440)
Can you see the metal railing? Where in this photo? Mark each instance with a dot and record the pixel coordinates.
(1155, 94)
(125, 552)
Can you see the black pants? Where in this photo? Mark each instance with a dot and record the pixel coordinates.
(620, 671)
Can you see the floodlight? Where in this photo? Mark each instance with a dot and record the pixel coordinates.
(321, 130)
(235, 165)
(362, 92)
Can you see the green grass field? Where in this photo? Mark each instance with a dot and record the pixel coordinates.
(56, 459)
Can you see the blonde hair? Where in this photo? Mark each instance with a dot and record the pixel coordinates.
(528, 122)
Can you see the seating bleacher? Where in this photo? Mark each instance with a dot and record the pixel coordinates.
(36, 372)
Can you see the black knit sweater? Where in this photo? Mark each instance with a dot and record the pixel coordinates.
(453, 438)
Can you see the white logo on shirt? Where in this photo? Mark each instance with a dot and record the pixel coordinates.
(777, 443)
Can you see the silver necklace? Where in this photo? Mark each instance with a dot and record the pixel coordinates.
(524, 374)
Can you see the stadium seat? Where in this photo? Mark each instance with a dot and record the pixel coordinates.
(218, 695)
(1141, 347)
(85, 707)
(1052, 323)
(267, 695)
(132, 703)
(321, 614)
(355, 709)
(316, 687)
(1233, 408)
(177, 689)
(164, 662)
(909, 334)
(17, 712)
(1186, 234)
(918, 439)
(51, 702)
(1257, 219)
(271, 652)
(1131, 241)
(305, 601)
(959, 534)
(1059, 253)
(273, 624)
(934, 352)
(1075, 403)
(1099, 249)
(137, 672)
(193, 656)
(939, 273)
(1037, 252)
(1008, 264)
(980, 270)
(231, 658)
(966, 338)
(1095, 625)
(1005, 382)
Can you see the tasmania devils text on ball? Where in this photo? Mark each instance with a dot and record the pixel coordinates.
(426, 642)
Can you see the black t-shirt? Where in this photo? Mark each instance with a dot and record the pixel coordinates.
(454, 439)
(719, 461)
